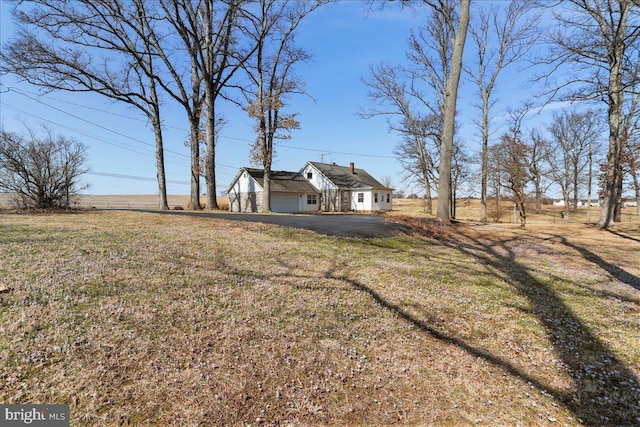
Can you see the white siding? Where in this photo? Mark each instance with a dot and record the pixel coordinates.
(329, 193)
(387, 205)
(247, 184)
(305, 206)
(367, 198)
(381, 204)
(245, 195)
(317, 179)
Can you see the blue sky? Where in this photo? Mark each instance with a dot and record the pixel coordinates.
(345, 40)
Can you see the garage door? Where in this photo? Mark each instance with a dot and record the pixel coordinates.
(283, 202)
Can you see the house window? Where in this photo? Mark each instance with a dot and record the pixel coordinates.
(312, 199)
(309, 175)
(375, 197)
(360, 197)
(388, 197)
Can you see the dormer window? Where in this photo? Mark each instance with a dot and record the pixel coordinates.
(309, 175)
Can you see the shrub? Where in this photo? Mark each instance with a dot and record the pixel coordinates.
(223, 203)
(41, 173)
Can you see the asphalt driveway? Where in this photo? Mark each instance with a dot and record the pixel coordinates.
(341, 225)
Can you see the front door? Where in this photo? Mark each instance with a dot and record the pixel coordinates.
(345, 202)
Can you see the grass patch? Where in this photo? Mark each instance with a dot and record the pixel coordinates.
(148, 319)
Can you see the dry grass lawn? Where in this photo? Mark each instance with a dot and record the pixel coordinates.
(146, 319)
(468, 210)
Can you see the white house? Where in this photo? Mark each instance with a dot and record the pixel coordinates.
(345, 188)
(290, 192)
(317, 186)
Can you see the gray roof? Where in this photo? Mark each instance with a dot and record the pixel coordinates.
(343, 178)
(283, 182)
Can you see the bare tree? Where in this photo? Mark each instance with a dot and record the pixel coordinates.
(457, 23)
(387, 181)
(540, 150)
(424, 96)
(419, 152)
(460, 174)
(41, 172)
(185, 82)
(437, 53)
(512, 156)
(272, 77)
(632, 158)
(514, 39)
(419, 131)
(574, 136)
(222, 24)
(631, 126)
(594, 48)
(494, 181)
(100, 47)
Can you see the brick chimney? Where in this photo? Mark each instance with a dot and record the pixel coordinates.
(352, 167)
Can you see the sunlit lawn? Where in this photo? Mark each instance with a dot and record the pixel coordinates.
(138, 318)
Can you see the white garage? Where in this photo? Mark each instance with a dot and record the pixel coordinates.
(290, 192)
(284, 202)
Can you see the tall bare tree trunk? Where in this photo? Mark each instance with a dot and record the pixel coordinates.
(448, 132)
(520, 204)
(428, 203)
(160, 172)
(538, 186)
(607, 215)
(633, 165)
(261, 104)
(589, 182)
(194, 145)
(575, 187)
(485, 159)
(210, 101)
(617, 213)
(424, 166)
(615, 92)
(514, 38)
(210, 156)
(565, 196)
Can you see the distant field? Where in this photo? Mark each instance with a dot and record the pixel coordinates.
(146, 319)
(468, 210)
(119, 201)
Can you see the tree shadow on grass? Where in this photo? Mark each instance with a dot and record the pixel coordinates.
(605, 390)
(615, 271)
(623, 235)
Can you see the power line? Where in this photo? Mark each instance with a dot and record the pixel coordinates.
(110, 142)
(97, 138)
(72, 129)
(97, 125)
(134, 177)
(102, 127)
(323, 151)
(89, 107)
